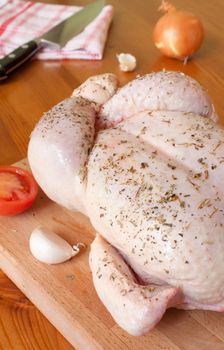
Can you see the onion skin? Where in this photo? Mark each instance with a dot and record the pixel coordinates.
(178, 34)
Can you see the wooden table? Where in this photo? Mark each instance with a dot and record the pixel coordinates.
(40, 85)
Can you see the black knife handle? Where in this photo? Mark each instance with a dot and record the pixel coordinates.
(17, 57)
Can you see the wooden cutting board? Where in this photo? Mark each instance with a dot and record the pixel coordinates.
(65, 294)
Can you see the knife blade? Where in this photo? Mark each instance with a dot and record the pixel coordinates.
(57, 36)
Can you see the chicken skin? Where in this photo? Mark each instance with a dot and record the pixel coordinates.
(144, 162)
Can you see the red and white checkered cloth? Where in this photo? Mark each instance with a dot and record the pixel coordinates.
(21, 21)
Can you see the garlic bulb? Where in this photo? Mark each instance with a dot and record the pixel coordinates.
(48, 247)
(127, 62)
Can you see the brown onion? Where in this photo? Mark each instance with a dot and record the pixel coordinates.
(177, 34)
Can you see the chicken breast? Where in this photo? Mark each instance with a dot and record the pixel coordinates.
(168, 221)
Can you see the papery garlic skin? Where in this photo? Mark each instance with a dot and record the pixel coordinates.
(47, 247)
(127, 62)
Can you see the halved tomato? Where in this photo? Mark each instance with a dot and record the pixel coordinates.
(18, 190)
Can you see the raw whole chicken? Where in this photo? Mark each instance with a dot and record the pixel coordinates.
(145, 163)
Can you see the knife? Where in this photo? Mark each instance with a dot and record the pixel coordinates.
(57, 36)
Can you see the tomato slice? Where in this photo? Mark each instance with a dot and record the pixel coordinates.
(18, 190)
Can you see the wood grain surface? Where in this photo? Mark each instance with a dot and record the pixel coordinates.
(40, 85)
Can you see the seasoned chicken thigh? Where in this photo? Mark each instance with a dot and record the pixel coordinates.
(166, 90)
(61, 142)
(145, 163)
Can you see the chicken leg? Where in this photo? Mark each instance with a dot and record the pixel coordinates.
(136, 308)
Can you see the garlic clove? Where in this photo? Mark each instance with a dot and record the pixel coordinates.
(47, 247)
(127, 62)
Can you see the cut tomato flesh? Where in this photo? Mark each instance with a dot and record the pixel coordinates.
(12, 187)
(18, 190)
